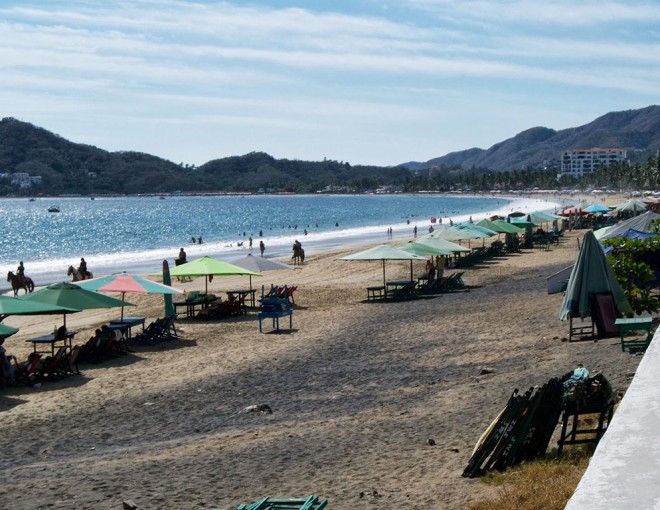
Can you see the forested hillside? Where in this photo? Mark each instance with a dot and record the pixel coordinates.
(67, 167)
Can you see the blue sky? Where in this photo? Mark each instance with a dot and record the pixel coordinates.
(368, 82)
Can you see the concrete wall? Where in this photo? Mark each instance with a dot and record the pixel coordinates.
(624, 472)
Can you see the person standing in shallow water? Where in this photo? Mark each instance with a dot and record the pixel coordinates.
(262, 247)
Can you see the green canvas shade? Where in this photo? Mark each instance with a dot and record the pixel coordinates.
(382, 252)
(632, 206)
(123, 283)
(6, 330)
(542, 217)
(167, 280)
(455, 234)
(209, 267)
(71, 296)
(508, 228)
(16, 306)
(423, 250)
(442, 244)
(522, 222)
(477, 229)
(591, 273)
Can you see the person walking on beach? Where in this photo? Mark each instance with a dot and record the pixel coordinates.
(415, 231)
(262, 247)
(250, 245)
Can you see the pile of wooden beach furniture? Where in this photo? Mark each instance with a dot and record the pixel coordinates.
(523, 429)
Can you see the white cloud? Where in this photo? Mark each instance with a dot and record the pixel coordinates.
(306, 74)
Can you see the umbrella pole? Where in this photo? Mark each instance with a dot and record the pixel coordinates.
(122, 306)
(411, 272)
(384, 286)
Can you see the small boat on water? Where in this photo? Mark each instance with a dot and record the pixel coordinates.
(53, 208)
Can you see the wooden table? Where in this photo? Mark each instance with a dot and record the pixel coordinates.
(191, 305)
(243, 294)
(50, 340)
(126, 323)
(374, 293)
(395, 284)
(635, 324)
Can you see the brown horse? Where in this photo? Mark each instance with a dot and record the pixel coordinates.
(18, 282)
(76, 276)
(298, 254)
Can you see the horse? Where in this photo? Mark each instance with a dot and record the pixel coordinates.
(75, 274)
(18, 282)
(298, 254)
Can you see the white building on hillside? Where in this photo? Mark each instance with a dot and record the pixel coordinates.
(577, 162)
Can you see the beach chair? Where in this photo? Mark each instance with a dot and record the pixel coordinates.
(70, 361)
(268, 503)
(156, 332)
(25, 371)
(605, 315)
(52, 367)
(289, 294)
(403, 293)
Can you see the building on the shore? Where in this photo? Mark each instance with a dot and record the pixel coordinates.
(22, 180)
(577, 162)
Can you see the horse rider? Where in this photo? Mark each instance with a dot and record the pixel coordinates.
(20, 272)
(82, 269)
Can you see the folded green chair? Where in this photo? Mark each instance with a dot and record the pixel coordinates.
(267, 503)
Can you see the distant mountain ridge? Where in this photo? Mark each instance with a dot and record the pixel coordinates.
(637, 130)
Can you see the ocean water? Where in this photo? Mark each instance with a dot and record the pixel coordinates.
(135, 234)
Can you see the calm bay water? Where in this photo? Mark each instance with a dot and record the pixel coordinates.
(136, 233)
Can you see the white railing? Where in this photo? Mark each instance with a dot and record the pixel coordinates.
(624, 472)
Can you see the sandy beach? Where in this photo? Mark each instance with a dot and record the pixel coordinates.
(357, 390)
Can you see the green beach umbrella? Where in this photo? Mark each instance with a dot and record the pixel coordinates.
(633, 206)
(72, 298)
(454, 234)
(167, 280)
(15, 306)
(542, 217)
(382, 252)
(508, 228)
(423, 250)
(591, 274)
(210, 267)
(442, 244)
(522, 222)
(6, 331)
